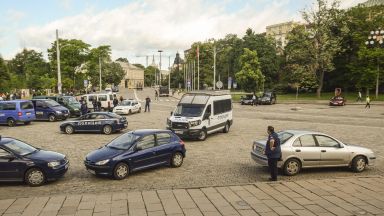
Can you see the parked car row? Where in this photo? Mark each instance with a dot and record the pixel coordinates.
(266, 98)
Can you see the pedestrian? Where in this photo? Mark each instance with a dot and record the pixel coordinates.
(156, 95)
(94, 103)
(254, 99)
(121, 99)
(99, 106)
(115, 101)
(368, 102)
(359, 97)
(84, 108)
(273, 152)
(147, 103)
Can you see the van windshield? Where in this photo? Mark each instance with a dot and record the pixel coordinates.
(51, 103)
(189, 110)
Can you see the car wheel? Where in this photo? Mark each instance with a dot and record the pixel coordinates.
(140, 110)
(358, 164)
(11, 122)
(34, 177)
(177, 159)
(226, 128)
(242, 103)
(121, 171)
(107, 129)
(69, 129)
(292, 167)
(52, 118)
(129, 112)
(27, 123)
(202, 135)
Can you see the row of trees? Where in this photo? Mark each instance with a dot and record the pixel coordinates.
(327, 51)
(78, 62)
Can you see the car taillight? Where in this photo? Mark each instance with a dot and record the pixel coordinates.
(19, 113)
(182, 142)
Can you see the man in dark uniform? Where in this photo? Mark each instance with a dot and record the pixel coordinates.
(84, 108)
(273, 152)
(115, 101)
(95, 108)
(147, 102)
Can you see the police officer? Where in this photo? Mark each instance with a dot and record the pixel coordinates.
(84, 108)
(273, 152)
(147, 102)
(95, 104)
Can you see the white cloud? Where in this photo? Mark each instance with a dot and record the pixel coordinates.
(15, 16)
(145, 26)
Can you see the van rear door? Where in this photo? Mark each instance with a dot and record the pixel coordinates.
(27, 110)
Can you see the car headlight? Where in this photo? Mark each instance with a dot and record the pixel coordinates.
(169, 122)
(76, 109)
(53, 164)
(253, 146)
(103, 162)
(194, 123)
(58, 112)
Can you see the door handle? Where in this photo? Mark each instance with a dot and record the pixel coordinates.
(323, 150)
(298, 150)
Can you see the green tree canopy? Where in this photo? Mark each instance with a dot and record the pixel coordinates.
(249, 77)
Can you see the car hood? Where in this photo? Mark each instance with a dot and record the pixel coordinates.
(59, 108)
(260, 142)
(103, 153)
(46, 156)
(358, 149)
(123, 107)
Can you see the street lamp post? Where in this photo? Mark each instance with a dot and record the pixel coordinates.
(214, 67)
(59, 85)
(376, 38)
(160, 51)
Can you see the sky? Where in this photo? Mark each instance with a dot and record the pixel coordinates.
(136, 28)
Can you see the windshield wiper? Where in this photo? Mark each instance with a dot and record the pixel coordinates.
(114, 147)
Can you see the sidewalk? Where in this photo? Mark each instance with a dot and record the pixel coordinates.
(341, 196)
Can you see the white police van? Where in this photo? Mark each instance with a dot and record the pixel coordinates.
(201, 113)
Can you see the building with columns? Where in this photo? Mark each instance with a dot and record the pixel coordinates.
(134, 76)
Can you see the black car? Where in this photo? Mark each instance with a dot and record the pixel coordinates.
(247, 99)
(105, 122)
(21, 162)
(268, 98)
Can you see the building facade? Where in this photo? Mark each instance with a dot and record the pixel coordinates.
(280, 31)
(134, 76)
(371, 3)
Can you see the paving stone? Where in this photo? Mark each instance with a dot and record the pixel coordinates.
(35, 206)
(18, 205)
(84, 213)
(4, 204)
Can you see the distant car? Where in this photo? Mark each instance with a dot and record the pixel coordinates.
(16, 111)
(47, 109)
(307, 149)
(136, 150)
(22, 162)
(337, 101)
(163, 91)
(104, 122)
(267, 98)
(247, 99)
(115, 89)
(128, 107)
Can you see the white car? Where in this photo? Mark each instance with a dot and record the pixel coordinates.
(128, 107)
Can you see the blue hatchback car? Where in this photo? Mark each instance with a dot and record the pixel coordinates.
(16, 111)
(22, 162)
(136, 150)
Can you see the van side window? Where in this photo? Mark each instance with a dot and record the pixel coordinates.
(91, 98)
(39, 104)
(8, 106)
(208, 111)
(110, 97)
(26, 105)
(102, 97)
(222, 106)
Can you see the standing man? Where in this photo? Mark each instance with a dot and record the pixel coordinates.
(94, 103)
(84, 108)
(359, 97)
(254, 100)
(156, 95)
(115, 101)
(147, 102)
(368, 102)
(121, 98)
(273, 152)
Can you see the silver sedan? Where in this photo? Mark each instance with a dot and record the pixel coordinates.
(307, 149)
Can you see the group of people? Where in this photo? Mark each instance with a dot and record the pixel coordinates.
(11, 96)
(367, 100)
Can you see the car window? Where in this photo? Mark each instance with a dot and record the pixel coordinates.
(284, 136)
(91, 97)
(307, 141)
(8, 106)
(26, 105)
(325, 141)
(297, 143)
(39, 104)
(3, 153)
(110, 97)
(91, 116)
(20, 147)
(102, 97)
(146, 142)
(163, 138)
(100, 117)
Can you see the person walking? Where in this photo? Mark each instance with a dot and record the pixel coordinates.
(273, 152)
(115, 101)
(368, 102)
(84, 108)
(254, 100)
(156, 95)
(94, 103)
(359, 97)
(147, 104)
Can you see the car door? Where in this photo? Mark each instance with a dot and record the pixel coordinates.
(305, 148)
(145, 155)
(39, 109)
(10, 166)
(207, 117)
(99, 122)
(164, 147)
(332, 153)
(3, 118)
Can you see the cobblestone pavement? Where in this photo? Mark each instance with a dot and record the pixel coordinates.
(344, 196)
(221, 160)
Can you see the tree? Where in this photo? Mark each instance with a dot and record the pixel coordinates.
(101, 54)
(5, 80)
(149, 75)
(249, 77)
(121, 59)
(113, 73)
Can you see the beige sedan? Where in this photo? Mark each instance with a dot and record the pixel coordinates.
(307, 149)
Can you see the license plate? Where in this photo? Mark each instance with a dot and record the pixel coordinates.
(28, 113)
(91, 171)
(178, 131)
(66, 114)
(125, 125)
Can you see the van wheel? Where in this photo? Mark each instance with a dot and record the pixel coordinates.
(11, 122)
(226, 128)
(34, 177)
(107, 129)
(69, 129)
(52, 118)
(27, 123)
(202, 135)
(292, 167)
(121, 171)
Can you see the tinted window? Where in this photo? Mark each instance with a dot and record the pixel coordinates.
(110, 97)
(113, 115)
(163, 138)
(90, 116)
(307, 141)
(8, 106)
(3, 153)
(91, 97)
(146, 142)
(124, 141)
(39, 104)
(284, 136)
(222, 106)
(19, 147)
(100, 117)
(102, 97)
(325, 141)
(26, 105)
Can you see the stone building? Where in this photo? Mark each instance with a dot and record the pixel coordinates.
(371, 3)
(280, 32)
(134, 76)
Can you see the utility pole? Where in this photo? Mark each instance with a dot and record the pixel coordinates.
(160, 51)
(100, 73)
(169, 73)
(59, 85)
(214, 67)
(198, 68)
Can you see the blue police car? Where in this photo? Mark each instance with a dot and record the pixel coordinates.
(22, 162)
(136, 150)
(105, 122)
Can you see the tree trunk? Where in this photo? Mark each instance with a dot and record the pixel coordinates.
(320, 87)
